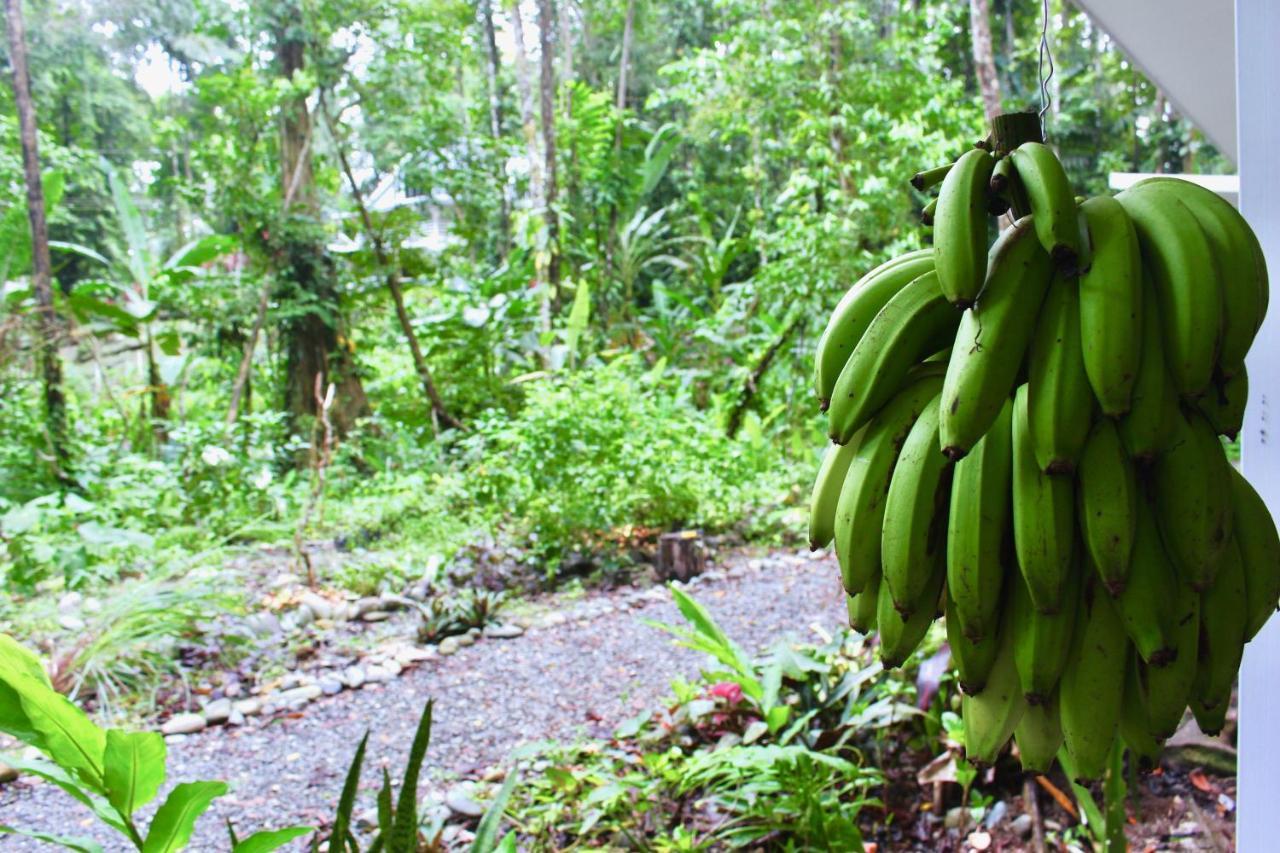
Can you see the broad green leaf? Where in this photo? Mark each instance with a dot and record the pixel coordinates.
(66, 733)
(78, 249)
(138, 254)
(84, 306)
(55, 775)
(81, 845)
(487, 831)
(134, 768)
(200, 251)
(15, 657)
(174, 822)
(271, 839)
(579, 314)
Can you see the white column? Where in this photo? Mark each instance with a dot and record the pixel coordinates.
(1257, 74)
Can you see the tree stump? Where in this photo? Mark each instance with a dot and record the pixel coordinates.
(680, 555)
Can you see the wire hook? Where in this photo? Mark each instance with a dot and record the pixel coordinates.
(1045, 53)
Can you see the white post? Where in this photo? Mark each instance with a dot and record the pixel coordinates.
(1258, 111)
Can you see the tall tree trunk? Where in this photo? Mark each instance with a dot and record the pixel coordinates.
(492, 68)
(50, 364)
(546, 39)
(312, 343)
(984, 60)
(620, 104)
(537, 189)
(439, 412)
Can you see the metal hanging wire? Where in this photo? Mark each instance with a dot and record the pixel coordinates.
(1045, 55)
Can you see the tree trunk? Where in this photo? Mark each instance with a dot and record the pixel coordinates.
(620, 104)
(537, 195)
(312, 343)
(546, 39)
(50, 364)
(983, 57)
(492, 67)
(439, 412)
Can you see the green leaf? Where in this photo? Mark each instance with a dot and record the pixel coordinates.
(200, 251)
(134, 768)
(578, 317)
(15, 657)
(271, 839)
(404, 834)
(63, 731)
(138, 258)
(487, 831)
(82, 845)
(386, 813)
(347, 802)
(78, 249)
(174, 822)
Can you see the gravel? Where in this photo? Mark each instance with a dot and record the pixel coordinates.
(570, 680)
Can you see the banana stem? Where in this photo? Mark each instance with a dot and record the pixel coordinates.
(1009, 130)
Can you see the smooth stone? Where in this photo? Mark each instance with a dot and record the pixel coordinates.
(297, 696)
(320, 607)
(247, 707)
(263, 623)
(175, 739)
(378, 675)
(217, 711)
(449, 646)
(502, 631)
(368, 605)
(461, 804)
(473, 632)
(353, 676)
(7, 774)
(330, 686)
(236, 719)
(375, 616)
(998, 813)
(70, 601)
(183, 724)
(466, 639)
(71, 622)
(955, 817)
(1022, 825)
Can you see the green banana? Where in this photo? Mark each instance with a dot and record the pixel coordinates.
(860, 509)
(930, 177)
(1242, 278)
(1111, 306)
(1222, 637)
(862, 607)
(900, 637)
(826, 492)
(972, 660)
(1166, 690)
(991, 716)
(1044, 525)
(993, 337)
(855, 311)
(1053, 204)
(1147, 428)
(913, 535)
(1225, 402)
(1135, 728)
(1039, 735)
(977, 525)
(960, 228)
(1176, 250)
(1192, 488)
(1259, 552)
(1091, 691)
(916, 322)
(1041, 642)
(1108, 484)
(1060, 401)
(1150, 596)
(1001, 175)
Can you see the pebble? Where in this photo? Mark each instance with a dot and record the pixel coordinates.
(460, 803)
(71, 622)
(183, 724)
(70, 601)
(263, 623)
(955, 817)
(377, 675)
(217, 711)
(330, 686)
(502, 631)
(7, 774)
(247, 707)
(553, 619)
(175, 739)
(375, 616)
(465, 640)
(980, 840)
(449, 646)
(353, 676)
(997, 814)
(1021, 825)
(236, 718)
(368, 605)
(297, 696)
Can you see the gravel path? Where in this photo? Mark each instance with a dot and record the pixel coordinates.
(572, 680)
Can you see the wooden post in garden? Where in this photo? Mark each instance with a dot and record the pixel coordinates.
(680, 555)
(1258, 120)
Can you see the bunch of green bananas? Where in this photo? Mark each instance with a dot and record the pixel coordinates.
(1026, 439)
